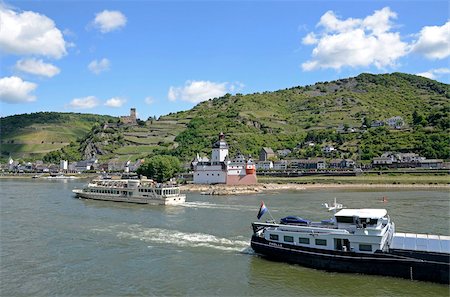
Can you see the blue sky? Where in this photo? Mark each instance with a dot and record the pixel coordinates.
(105, 57)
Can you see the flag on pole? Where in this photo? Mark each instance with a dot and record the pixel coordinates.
(262, 210)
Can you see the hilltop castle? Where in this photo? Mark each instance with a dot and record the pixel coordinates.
(131, 119)
(221, 170)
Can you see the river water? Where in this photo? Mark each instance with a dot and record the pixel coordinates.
(52, 244)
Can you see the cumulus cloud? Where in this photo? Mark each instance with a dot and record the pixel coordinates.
(30, 33)
(14, 90)
(355, 42)
(108, 20)
(197, 91)
(435, 73)
(115, 102)
(84, 102)
(36, 67)
(99, 66)
(434, 42)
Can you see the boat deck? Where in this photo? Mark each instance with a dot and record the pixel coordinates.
(421, 242)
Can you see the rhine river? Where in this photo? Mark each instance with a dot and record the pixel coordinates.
(52, 244)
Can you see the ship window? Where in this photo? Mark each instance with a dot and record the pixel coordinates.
(321, 241)
(365, 247)
(274, 236)
(348, 220)
(288, 238)
(369, 221)
(303, 240)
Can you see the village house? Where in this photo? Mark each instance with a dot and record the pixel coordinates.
(341, 164)
(316, 163)
(396, 122)
(264, 165)
(281, 165)
(84, 165)
(382, 161)
(328, 149)
(283, 153)
(266, 153)
(431, 163)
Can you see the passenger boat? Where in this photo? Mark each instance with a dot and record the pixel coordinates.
(133, 190)
(355, 240)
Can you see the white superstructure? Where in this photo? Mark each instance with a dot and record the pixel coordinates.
(359, 230)
(144, 191)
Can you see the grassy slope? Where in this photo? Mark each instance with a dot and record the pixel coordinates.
(33, 135)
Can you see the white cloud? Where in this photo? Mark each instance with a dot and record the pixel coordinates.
(310, 39)
(99, 66)
(30, 33)
(355, 42)
(197, 91)
(84, 103)
(107, 20)
(14, 90)
(434, 41)
(149, 100)
(115, 102)
(36, 67)
(435, 73)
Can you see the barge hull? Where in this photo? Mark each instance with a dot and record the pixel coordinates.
(376, 264)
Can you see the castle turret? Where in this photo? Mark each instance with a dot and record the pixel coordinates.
(219, 150)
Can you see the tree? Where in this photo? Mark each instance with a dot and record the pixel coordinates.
(418, 119)
(160, 168)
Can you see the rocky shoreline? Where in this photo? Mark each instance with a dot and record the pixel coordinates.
(261, 188)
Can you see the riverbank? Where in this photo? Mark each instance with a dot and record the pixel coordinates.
(272, 187)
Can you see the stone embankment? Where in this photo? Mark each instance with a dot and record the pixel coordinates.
(260, 188)
(238, 189)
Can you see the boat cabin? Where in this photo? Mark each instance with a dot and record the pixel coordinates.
(353, 230)
(366, 220)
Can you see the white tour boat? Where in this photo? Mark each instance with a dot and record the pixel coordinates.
(133, 190)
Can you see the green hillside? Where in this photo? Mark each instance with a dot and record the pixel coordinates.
(285, 118)
(33, 135)
(337, 113)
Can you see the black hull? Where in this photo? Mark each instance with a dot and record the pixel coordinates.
(385, 264)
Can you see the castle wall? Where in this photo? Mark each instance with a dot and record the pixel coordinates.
(242, 179)
(209, 175)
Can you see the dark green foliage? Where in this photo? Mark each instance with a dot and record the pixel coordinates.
(160, 168)
(418, 119)
(69, 153)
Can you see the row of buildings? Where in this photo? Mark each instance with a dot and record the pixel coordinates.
(305, 164)
(71, 167)
(406, 160)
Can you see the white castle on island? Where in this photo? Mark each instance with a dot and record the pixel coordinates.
(222, 170)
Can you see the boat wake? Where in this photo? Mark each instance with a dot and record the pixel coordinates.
(209, 205)
(177, 238)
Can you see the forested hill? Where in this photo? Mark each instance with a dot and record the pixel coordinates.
(285, 118)
(338, 113)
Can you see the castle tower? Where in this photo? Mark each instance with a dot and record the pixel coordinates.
(133, 114)
(219, 150)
